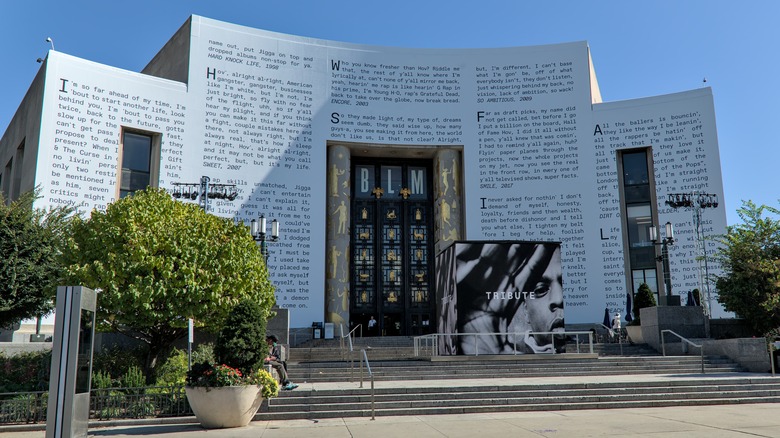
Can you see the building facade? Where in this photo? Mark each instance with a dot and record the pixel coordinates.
(374, 159)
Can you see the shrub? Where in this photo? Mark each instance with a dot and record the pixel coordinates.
(28, 371)
(269, 382)
(116, 361)
(241, 343)
(173, 371)
(101, 380)
(644, 298)
(133, 378)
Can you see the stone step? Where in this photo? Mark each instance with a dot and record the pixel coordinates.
(501, 398)
(476, 368)
(403, 348)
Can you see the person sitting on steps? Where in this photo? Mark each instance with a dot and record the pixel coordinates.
(275, 358)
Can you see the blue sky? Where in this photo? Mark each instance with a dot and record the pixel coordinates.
(639, 49)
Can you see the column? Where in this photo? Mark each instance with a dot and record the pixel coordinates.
(337, 237)
(448, 208)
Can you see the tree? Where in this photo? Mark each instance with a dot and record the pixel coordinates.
(30, 241)
(241, 343)
(158, 262)
(644, 298)
(750, 256)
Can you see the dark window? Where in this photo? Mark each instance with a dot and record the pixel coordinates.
(136, 163)
(637, 202)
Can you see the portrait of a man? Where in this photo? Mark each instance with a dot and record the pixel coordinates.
(509, 298)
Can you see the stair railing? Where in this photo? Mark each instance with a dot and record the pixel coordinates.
(364, 358)
(685, 343)
(427, 343)
(349, 352)
(432, 340)
(613, 333)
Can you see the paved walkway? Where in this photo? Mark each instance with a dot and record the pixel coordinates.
(746, 420)
(750, 420)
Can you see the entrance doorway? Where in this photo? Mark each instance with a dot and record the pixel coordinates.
(391, 263)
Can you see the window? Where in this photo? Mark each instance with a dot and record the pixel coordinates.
(16, 184)
(634, 168)
(140, 162)
(647, 276)
(7, 180)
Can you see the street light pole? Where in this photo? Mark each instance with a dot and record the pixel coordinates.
(664, 258)
(258, 229)
(203, 191)
(698, 201)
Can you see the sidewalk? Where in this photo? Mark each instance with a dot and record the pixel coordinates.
(754, 420)
(734, 420)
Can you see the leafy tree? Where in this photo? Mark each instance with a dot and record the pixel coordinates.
(750, 256)
(644, 298)
(158, 262)
(241, 343)
(30, 241)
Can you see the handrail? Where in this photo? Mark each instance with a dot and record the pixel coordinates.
(687, 341)
(371, 374)
(432, 340)
(343, 349)
(613, 332)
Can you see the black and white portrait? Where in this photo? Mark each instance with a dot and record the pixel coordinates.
(509, 298)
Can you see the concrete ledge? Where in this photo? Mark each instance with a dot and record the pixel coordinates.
(750, 353)
(687, 321)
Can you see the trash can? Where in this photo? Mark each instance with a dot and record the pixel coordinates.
(316, 330)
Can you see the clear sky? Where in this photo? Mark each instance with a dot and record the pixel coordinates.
(639, 48)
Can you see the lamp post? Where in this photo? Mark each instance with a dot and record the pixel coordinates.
(665, 242)
(203, 191)
(258, 228)
(698, 201)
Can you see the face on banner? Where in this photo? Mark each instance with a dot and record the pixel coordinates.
(510, 297)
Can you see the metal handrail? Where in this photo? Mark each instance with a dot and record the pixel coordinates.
(687, 341)
(370, 374)
(613, 332)
(349, 336)
(433, 340)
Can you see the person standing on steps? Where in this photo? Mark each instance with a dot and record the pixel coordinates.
(372, 326)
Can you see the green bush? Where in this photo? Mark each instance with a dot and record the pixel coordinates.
(241, 342)
(116, 361)
(133, 378)
(173, 372)
(644, 298)
(101, 380)
(203, 353)
(23, 372)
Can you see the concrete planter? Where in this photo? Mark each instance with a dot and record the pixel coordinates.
(229, 406)
(635, 334)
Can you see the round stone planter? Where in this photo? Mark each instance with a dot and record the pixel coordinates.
(635, 334)
(229, 406)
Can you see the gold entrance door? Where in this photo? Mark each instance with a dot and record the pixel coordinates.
(392, 242)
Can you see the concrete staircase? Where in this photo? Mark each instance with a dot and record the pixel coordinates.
(405, 385)
(508, 367)
(495, 396)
